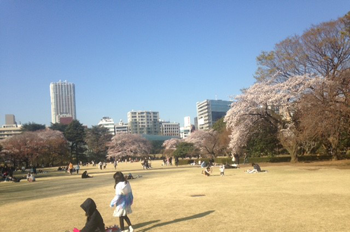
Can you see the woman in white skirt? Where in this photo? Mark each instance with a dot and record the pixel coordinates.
(123, 200)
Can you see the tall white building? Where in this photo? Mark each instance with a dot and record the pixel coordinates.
(144, 122)
(108, 123)
(209, 111)
(62, 101)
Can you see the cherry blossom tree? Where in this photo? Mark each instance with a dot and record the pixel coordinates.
(171, 143)
(208, 142)
(23, 147)
(170, 146)
(54, 146)
(128, 145)
(274, 102)
(29, 147)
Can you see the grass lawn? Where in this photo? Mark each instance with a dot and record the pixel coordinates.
(290, 197)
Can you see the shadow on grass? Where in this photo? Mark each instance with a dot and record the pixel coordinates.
(173, 221)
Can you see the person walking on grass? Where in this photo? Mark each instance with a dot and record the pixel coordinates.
(77, 168)
(123, 200)
(70, 168)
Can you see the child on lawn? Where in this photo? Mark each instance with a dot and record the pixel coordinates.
(123, 200)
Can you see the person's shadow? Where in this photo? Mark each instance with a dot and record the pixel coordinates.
(138, 226)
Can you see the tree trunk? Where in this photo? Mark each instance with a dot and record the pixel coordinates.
(294, 156)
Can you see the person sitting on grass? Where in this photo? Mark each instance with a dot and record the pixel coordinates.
(256, 168)
(30, 177)
(207, 171)
(94, 220)
(85, 175)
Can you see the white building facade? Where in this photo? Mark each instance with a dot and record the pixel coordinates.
(170, 129)
(144, 122)
(108, 123)
(122, 128)
(11, 128)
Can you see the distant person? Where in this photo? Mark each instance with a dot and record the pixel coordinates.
(256, 168)
(123, 200)
(115, 164)
(222, 170)
(77, 168)
(94, 220)
(207, 171)
(30, 177)
(100, 164)
(145, 164)
(85, 175)
(70, 168)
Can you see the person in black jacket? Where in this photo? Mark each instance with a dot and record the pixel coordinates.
(94, 221)
(85, 175)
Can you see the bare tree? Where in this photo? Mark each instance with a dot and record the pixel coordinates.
(325, 112)
(322, 50)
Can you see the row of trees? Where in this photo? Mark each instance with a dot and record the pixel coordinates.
(301, 99)
(211, 143)
(60, 144)
(56, 145)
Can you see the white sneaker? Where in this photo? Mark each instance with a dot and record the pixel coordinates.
(131, 229)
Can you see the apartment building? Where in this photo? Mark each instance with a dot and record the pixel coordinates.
(144, 122)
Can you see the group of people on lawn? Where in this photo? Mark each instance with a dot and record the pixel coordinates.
(207, 168)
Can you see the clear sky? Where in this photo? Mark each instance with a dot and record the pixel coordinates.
(140, 55)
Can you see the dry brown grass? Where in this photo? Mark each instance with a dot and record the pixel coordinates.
(302, 197)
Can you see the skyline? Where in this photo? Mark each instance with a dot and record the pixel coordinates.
(162, 56)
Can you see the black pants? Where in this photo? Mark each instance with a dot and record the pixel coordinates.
(121, 221)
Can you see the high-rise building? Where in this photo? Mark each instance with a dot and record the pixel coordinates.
(62, 102)
(144, 122)
(209, 111)
(108, 123)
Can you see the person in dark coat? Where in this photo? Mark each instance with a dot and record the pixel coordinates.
(85, 175)
(94, 221)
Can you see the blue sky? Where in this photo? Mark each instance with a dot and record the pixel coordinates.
(140, 55)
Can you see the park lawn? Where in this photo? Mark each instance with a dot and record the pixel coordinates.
(290, 197)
